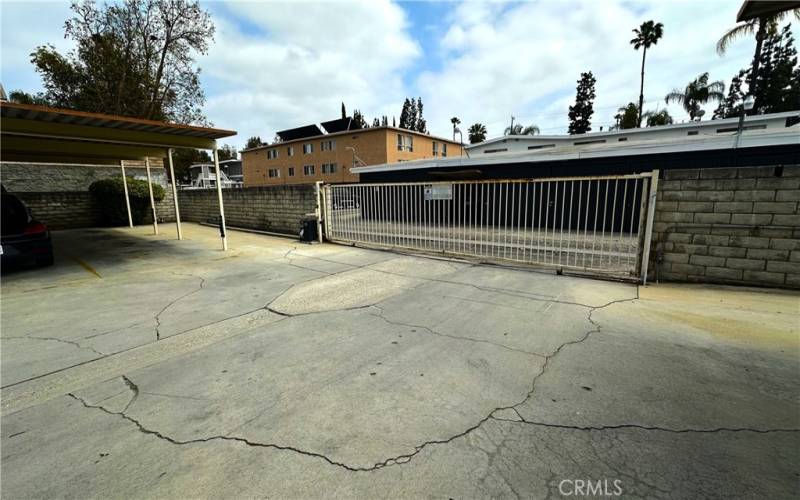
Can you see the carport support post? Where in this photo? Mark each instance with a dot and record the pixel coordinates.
(221, 206)
(125, 188)
(648, 231)
(174, 194)
(152, 199)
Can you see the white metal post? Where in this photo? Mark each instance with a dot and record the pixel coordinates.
(318, 211)
(125, 188)
(175, 194)
(222, 231)
(152, 199)
(648, 232)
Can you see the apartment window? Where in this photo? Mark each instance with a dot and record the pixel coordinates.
(405, 142)
(692, 132)
(444, 149)
(496, 150)
(328, 168)
(595, 141)
(289, 150)
(308, 148)
(291, 171)
(272, 154)
(274, 173)
(542, 146)
(308, 170)
(435, 148)
(329, 145)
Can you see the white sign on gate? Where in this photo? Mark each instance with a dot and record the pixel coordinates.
(438, 192)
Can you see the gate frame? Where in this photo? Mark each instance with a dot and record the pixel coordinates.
(647, 208)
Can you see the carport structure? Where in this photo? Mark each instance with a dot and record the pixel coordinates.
(41, 134)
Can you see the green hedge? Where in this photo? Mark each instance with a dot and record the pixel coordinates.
(110, 197)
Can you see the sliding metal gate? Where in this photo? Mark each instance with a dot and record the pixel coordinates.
(598, 225)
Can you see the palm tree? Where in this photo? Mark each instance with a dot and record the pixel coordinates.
(477, 133)
(699, 91)
(646, 35)
(455, 121)
(657, 118)
(518, 129)
(762, 27)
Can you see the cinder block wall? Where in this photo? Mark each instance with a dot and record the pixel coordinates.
(76, 209)
(729, 225)
(269, 208)
(55, 177)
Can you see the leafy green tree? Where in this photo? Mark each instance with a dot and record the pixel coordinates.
(183, 158)
(628, 116)
(519, 129)
(699, 91)
(359, 120)
(731, 106)
(777, 87)
(657, 118)
(227, 152)
(580, 114)
(648, 34)
(22, 97)
(253, 142)
(762, 27)
(376, 122)
(477, 133)
(132, 58)
(344, 111)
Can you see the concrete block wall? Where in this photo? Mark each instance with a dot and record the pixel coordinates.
(729, 225)
(76, 209)
(269, 208)
(63, 177)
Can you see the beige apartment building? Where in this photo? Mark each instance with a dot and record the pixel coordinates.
(330, 157)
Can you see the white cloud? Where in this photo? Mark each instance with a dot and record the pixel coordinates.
(303, 60)
(23, 27)
(525, 59)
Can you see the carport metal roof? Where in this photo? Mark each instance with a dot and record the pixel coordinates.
(42, 134)
(32, 132)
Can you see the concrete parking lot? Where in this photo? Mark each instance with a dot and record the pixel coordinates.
(142, 366)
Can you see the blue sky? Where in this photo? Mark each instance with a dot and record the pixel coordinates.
(276, 65)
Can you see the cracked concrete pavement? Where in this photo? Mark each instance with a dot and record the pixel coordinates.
(285, 370)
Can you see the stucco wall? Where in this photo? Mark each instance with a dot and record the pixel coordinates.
(729, 225)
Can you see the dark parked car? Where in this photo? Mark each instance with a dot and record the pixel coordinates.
(24, 239)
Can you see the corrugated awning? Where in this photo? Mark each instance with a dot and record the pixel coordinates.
(751, 9)
(31, 132)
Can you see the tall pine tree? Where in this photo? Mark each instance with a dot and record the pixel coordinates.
(580, 115)
(405, 114)
(421, 125)
(777, 86)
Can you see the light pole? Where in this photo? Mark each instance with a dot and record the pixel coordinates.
(747, 105)
(461, 138)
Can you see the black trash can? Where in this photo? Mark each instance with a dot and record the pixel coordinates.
(308, 229)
